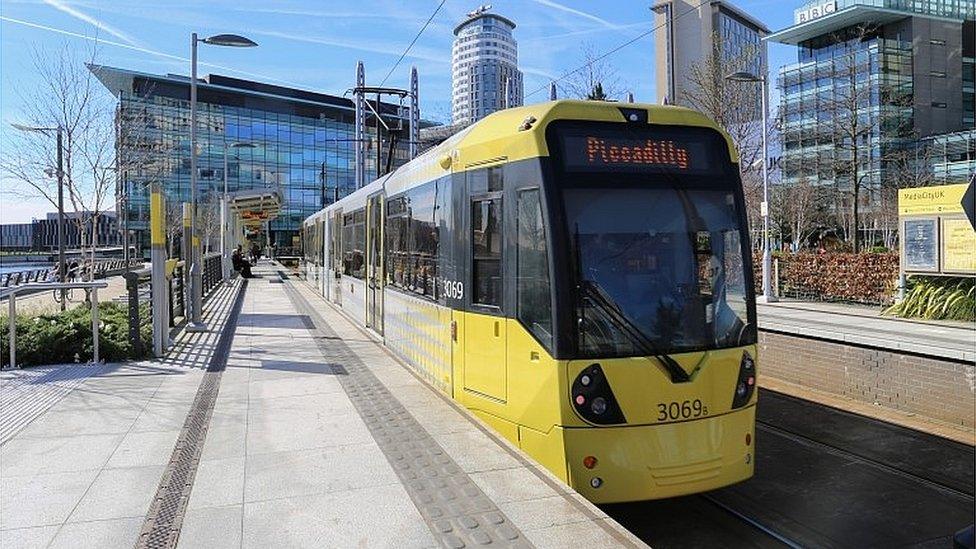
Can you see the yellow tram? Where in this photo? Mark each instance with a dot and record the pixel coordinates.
(577, 274)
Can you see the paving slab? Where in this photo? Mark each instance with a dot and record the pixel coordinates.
(92, 440)
(861, 325)
(318, 437)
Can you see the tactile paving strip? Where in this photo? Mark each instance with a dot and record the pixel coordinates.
(165, 517)
(456, 509)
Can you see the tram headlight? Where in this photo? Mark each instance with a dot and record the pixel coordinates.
(593, 399)
(599, 405)
(745, 384)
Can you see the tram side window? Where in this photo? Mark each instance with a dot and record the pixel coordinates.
(413, 239)
(533, 295)
(486, 238)
(353, 244)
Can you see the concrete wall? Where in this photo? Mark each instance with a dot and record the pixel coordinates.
(939, 389)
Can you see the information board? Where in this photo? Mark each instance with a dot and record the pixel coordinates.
(920, 245)
(958, 246)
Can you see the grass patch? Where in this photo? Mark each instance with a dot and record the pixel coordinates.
(938, 298)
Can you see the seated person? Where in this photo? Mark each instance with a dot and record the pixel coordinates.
(240, 264)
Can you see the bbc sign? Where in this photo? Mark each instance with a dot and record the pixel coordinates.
(812, 12)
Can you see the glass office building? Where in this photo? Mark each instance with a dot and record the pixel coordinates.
(296, 142)
(907, 63)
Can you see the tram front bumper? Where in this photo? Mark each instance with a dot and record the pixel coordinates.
(660, 461)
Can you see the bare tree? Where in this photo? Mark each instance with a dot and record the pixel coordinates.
(69, 97)
(799, 210)
(903, 168)
(859, 109)
(143, 157)
(735, 106)
(593, 72)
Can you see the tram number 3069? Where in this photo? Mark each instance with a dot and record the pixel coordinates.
(681, 410)
(453, 289)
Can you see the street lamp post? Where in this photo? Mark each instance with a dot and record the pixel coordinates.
(59, 130)
(767, 259)
(196, 272)
(224, 214)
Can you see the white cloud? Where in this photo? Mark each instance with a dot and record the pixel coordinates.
(61, 6)
(141, 49)
(583, 14)
(371, 46)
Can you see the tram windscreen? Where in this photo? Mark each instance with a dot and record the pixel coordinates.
(660, 268)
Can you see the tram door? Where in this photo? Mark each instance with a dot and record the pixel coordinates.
(485, 368)
(374, 263)
(335, 270)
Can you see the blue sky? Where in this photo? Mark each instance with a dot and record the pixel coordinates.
(315, 44)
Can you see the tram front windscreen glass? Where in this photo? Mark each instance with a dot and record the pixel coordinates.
(659, 268)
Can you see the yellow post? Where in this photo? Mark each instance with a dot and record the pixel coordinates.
(160, 283)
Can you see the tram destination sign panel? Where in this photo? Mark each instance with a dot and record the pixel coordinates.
(629, 150)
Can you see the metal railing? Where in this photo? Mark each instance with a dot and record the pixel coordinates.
(93, 287)
(139, 283)
(213, 274)
(47, 274)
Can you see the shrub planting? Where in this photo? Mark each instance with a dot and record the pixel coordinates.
(938, 298)
(868, 278)
(66, 337)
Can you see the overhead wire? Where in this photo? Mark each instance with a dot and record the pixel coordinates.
(412, 42)
(613, 50)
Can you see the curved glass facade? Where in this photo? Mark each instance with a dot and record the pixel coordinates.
(300, 144)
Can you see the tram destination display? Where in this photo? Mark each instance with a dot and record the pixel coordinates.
(647, 149)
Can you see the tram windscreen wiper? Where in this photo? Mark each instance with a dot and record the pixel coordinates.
(598, 297)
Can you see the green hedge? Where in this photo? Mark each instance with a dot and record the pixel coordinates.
(66, 337)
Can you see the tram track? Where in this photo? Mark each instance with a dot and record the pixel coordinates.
(801, 439)
(824, 478)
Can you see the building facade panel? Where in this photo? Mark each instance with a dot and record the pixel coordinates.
(688, 32)
(895, 73)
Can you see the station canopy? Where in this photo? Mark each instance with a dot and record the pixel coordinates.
(255, 206)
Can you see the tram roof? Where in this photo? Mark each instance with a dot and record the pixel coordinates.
(500, 138)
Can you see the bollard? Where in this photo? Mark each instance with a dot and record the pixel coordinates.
(158, 283)
(776, 277)
(94, 315)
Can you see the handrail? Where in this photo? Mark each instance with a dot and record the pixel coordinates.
(49, 274)
(12, 308)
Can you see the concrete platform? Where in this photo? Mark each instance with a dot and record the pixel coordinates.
(316, 437)
(860, 325)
